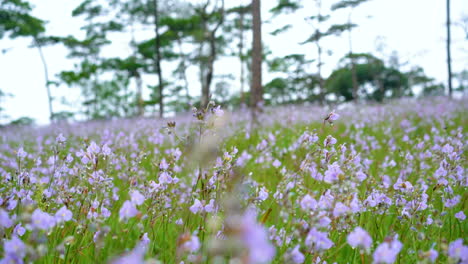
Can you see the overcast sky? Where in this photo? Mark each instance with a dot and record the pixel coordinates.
(413, 28)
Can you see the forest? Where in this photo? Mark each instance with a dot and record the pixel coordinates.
(174, 47)
(202, 132)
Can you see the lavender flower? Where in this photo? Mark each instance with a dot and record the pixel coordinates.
(63, 215)
(127, 211)
(297, 256)
(458, 251)
(41, 220)
(15, 250)
(5, 220)
(308, 203)
(460, 215)
(359, 238)
(137, 198)
(387, 251)
(196, 207)
(255, 238)
(319, 240)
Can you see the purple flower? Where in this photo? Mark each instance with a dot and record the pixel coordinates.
(329, 141)
(128, 210)
(263, 194)
(5, 220)
(332, 173)
(297, 256)
(452, 202)
(276, 163)
(136, 256)
(359, 238)
(165, 177)
(19, 230)
(432, 254)
(196, 207)
(21, 153)
(42, 220)
(137, 198)
(387, 251)
(460, 215)
(457, 250)
(14, 249)
(340, 209)
(106, 150)
(308, 203)
(255, 238)
(361, 176)
(218, 111)
(319, 240)
(211, 207)
(192, 244)
(63, 215)
(60, 138)
(93, 148)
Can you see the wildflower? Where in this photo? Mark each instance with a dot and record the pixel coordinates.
(42, 220)
(297, 256)
(136, 197)
(332, 173)
(329, 141)
(318, 239)
(460, 215)
(15, 249)
(218, 111)
(340, 209)
(63, 215)
(431, 254)
(361, 176)
(93, 148)
(276, 163)
(359, 238)
(128, 210)
(106, 151)
(255, 237)
(387, 251)
(60, 138)
(263, 194)
(136, 256)
(211, 207)
(457, 250)
(192, 244)
(5, 220)
(308, 203)
(332, 116)
(452, 202)
(19, 230)
(196, 207)
(21, 153)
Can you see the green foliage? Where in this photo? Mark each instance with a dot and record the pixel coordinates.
(383, 81)
(16, 21)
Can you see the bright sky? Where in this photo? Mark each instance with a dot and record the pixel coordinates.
(413, 28)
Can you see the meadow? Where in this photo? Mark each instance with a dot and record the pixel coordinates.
(303, 184)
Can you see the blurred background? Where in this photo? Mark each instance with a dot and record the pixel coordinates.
(85, 60)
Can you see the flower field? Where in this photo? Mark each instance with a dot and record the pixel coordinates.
(359, 184)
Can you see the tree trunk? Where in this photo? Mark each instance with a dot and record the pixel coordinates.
(449, 58)
(184, 70)
(157, 62)
(319, 73)
(353, 64)
(241, 56)
(47, 81)
(256, 92)
(210, 70)
(206, 83)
